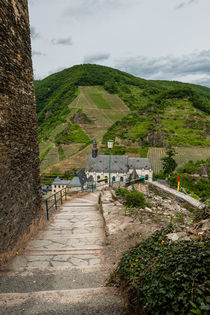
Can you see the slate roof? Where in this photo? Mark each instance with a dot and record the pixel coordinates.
(119, 163)
(82, 176)
(60, 181)
(139, 163)
(75, 182)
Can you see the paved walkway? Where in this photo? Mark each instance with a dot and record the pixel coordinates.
(62, 266)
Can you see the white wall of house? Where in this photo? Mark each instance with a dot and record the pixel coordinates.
(114, 176)
(119, 176)
(56, 188)
(143, 172)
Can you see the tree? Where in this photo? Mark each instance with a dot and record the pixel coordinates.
(168, 162)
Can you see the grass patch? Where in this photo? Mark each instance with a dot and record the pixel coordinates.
(99, 101)
(61, 153)
(43, 154)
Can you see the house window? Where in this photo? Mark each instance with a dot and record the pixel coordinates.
(55, 186)
(54, 190)
(106, 179)
(59, 186)
(146, 176)
(98, 177)
(121, 179)
(113, 179)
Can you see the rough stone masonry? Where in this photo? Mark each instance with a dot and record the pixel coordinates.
(20, 194)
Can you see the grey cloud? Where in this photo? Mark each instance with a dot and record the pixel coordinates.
(34, 34)
(89, 7)
(37, 53)
(185, 4)
(96, 58)
(169, 67)
(62, 41)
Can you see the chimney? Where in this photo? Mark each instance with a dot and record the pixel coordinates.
(94, 149)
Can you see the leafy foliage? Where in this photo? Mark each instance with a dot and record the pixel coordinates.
(144, 151)
(135, 198)
(121, 191)
(160, 277)
(116, 150)
(73, 133)
(169, 164)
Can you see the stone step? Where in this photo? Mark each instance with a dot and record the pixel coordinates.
(65, 243)
(57, 237)
(67, 223)
(34, 280)
(69, 251)
(48, 259)
(91, 301)
(77, 230)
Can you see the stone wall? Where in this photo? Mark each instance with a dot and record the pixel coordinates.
(20, 194)
(176, 195)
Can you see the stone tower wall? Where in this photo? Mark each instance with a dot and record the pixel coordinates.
(20, 194)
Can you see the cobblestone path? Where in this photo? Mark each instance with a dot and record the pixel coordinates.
(62, 270)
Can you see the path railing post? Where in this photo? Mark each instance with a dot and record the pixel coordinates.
(46, 201)
(56, 207)
(65, 194)
(61, 196)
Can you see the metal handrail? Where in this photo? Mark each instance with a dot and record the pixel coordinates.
(56, 197)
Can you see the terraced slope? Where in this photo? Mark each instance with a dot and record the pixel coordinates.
(90, 101)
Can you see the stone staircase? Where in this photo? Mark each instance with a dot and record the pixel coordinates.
(62, 270)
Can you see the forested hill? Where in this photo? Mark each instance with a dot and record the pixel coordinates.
(61, 88)
(152, 113)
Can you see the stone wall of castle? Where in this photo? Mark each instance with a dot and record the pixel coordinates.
(20, 194)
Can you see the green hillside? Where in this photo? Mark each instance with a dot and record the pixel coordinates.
(87, 101)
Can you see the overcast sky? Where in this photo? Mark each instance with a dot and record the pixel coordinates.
(152, 39)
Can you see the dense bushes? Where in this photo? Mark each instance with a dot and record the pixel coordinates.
(160, 277)
(73, 133)
(133, 198)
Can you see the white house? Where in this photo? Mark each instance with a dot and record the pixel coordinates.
(75, 184)
(121, 167)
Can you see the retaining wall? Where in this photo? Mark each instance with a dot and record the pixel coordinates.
(20, 190)
(178, 196)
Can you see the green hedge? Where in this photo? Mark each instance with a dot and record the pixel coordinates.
(160, 277)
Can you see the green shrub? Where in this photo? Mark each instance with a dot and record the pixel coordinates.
(121, 191)
(135, 199)
(144, 151)
(73, 133)
(116, 150)
(160, 277)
